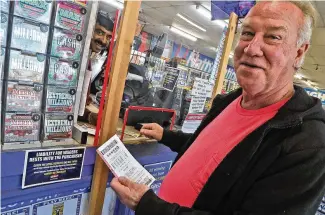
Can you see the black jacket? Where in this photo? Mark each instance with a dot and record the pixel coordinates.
(277, 169)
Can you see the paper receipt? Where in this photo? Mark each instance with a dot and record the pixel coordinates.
(122, 163)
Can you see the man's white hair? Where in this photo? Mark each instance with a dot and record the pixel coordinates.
(305, 31)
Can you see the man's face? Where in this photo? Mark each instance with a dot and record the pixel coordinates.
(101, 38)
(267, 51)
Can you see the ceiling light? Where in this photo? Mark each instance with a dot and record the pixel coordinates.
(298, 76)
(207, 14)
(190, 22)
(115, 3)
(183, 34)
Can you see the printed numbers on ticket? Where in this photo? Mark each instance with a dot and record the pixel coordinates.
(122, 163)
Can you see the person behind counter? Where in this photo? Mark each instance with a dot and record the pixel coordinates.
(99, 45)
(260, 149)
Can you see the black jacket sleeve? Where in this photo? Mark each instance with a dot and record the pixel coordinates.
(174, 139)
(150, 204)
(294, 185)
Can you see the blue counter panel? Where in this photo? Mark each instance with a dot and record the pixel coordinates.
(70, 196)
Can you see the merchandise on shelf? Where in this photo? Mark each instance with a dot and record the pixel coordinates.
(4, 5)
(21, 127)
(66, 45)
(58, 126)
(60, 99)
(2, 60)
(3, 29)
(21, 97)
(63, 72)
(29, 36)
(38, 10)
(26, 67)
(70, 16)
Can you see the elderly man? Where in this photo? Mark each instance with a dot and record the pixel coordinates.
(260, 149)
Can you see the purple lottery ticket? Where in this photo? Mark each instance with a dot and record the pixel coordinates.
(63, 72)
(70, 16)
(21, 127)
(58, 126)
(24, 97)
(29, 36)
(3, 29)
(38, 10)
(66, 45)
(26, 67)
(4, 5)
(60, 99)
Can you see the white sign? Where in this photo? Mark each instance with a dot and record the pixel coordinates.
(197, 104)
(192, 122)
(202, 88)
(122, 163)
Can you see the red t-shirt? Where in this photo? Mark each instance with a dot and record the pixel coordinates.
(186, 179)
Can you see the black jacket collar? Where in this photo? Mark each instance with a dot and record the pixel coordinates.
(300, 107)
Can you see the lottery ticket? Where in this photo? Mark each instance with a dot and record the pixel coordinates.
(26, 67)
(70, 16)
(66, 45)
(3, 29)
(4, 5)
(122, 163)
(82, 2)
(63, 72)
(60, 99)
(58, 126)
(29, 36)
(2, 61)
(21, 127)
(38, 10)
(24, 97)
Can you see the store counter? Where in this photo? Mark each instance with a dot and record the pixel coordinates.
(71, 197)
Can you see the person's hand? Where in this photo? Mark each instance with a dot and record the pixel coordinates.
(152, 130)
(129, 193)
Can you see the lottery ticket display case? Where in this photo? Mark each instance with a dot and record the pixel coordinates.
(43, 43)
(44, 56)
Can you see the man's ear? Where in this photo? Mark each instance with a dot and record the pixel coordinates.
(301, 52)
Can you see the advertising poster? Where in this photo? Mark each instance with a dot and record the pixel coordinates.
(52, 165)
(170, 79)
(192, 122)
(197, 104)
(215, 67)
(18, 211)
(223, 9)
(202, 88)
(159, 171)
(66, 205)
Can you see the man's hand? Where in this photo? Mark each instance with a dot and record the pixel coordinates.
(129, 193)
(152, 130)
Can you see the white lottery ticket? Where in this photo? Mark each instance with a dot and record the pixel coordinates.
(122, 163)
